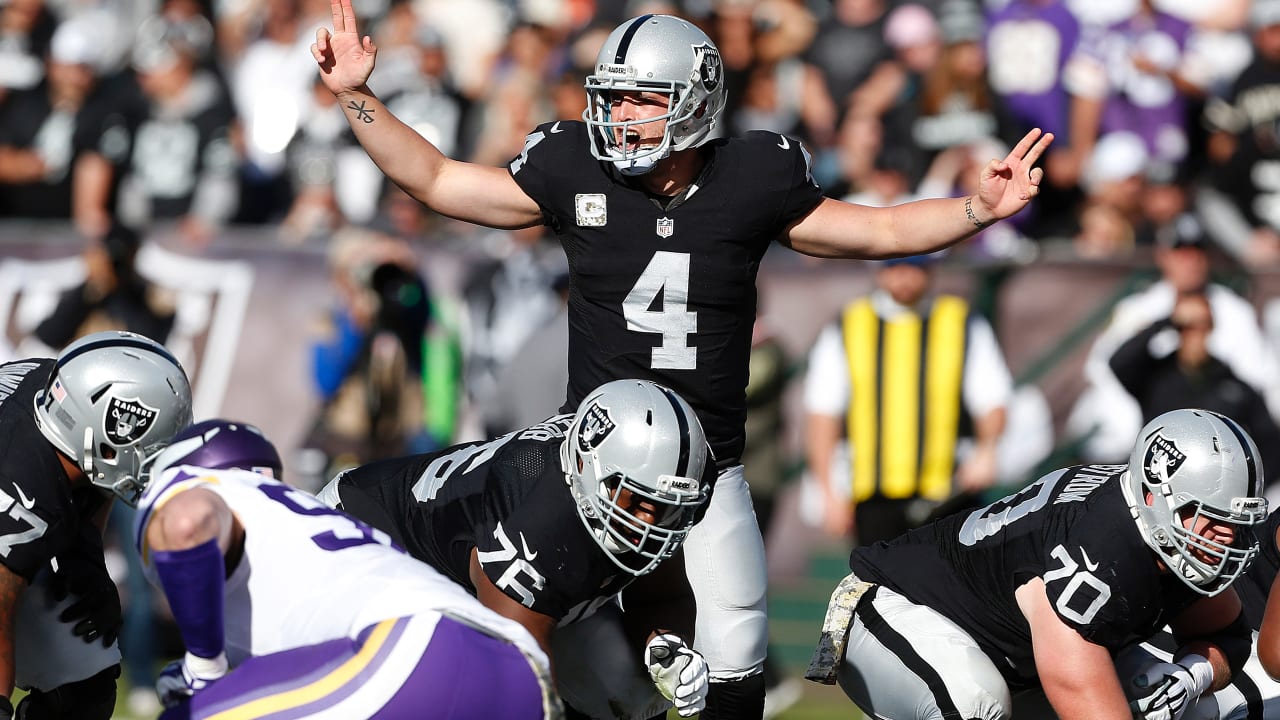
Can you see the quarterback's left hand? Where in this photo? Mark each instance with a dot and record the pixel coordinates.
(678, 672)
(183, 678)
(1177, 687)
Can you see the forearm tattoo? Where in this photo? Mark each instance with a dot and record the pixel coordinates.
(365, 114)
(968, 211)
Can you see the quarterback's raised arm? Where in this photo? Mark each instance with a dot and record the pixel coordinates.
(479, 194)
(846, 230)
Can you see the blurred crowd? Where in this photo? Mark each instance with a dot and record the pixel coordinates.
(206, 113)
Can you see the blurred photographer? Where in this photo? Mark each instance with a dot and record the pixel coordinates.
(112, 297)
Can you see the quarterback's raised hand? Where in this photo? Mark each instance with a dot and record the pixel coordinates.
(183, 678)
(346, 59)
(1177, 687)
(1006, 186)
(678, 672)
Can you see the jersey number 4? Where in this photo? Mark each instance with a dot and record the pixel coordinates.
(667, 275)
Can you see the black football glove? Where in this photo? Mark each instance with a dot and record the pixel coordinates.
(93, 698)
(82, 572)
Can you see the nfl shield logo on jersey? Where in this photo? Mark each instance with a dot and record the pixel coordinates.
(1162, 459)
(666, 226)
(128, 420)
(591, 209)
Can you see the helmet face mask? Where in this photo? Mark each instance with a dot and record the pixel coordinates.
(634, 458)
(657, 54)
(111, 404)
(1194, 471)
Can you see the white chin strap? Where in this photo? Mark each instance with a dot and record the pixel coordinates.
(638, 166)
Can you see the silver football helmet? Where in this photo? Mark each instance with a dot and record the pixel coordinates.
(659, 54)
(1192, 464)
(112, 402)
(634, 459)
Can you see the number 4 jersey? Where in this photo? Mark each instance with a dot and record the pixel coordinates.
(309, 573)
(666, 291)
(1072, 529)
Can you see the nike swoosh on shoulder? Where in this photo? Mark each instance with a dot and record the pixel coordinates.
(556, 128)
(784, 143)
(1087, 562)
(525, 544)
(27, 502)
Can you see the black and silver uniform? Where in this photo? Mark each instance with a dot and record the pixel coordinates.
(42, 516)
(1073, 530)
(508, 499)
(1255, 584)
(667, 294)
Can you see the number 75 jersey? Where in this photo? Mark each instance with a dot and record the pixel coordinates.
(1071, 529)
(667, 294)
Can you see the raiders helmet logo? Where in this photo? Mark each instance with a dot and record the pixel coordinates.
(1162, 459)
(127, 420)
(596, 426)
(708, 60)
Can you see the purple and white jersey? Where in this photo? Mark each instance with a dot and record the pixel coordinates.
(1145, 103)
(1029, 43)
(310, 574)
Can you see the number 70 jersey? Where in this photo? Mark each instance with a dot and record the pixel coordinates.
(309, 573)
(1071, 529)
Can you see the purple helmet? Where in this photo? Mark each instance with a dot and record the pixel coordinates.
(221, 445)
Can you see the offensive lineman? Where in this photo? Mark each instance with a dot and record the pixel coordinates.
(313, 612)
(646, 206)
(76, 432)
(1039, 590)
(549, 524)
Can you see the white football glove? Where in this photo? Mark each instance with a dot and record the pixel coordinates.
(678, 672)
(1177, 687)
(183, 678)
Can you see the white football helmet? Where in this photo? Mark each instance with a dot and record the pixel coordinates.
(1190, 464)
(636, 447)
(112, 402)
(659, 54)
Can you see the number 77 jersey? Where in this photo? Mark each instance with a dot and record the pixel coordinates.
(1072, 529)
(664, 288)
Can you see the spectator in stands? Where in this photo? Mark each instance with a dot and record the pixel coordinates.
(1114, 183)
(178, 161)
(114, 296)
(1136, 75)
(45, 130)
(1240, 203)
(1167, 366)
(1105, 414)
(849, 45)
(921, 386)
(26, 27)
(1043, 34)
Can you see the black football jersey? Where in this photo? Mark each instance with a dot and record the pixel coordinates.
(1254, 586)
(1073, 530)
(508, 499)
(667, 294)
(38, 513)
